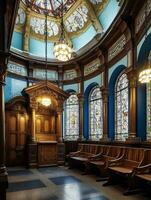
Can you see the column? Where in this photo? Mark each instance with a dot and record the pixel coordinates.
(105, 112)
(105, 94)
(59, 124)
(132, 77)
(81, 121)
(33, 124)
(3, 171)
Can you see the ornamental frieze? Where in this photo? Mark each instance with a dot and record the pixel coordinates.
(70, 74)
(141, 16)
(17, 69)
(92, 67)
(117, 47)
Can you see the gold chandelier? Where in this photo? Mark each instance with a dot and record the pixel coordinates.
(145, 74)
(62, 50)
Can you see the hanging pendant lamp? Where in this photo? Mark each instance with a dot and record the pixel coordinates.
(145, 74)
(62, 50)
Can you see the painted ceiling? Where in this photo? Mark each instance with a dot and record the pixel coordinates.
(83, 20)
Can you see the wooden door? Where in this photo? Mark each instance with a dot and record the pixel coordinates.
(16, 130)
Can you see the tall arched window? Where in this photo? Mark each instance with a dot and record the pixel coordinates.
(121, 108)
(71, 118)
(148, 89)
(95, 114)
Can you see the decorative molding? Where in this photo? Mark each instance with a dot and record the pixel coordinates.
(141, 16)
(70, 74)
(17, 69)
(117, 47)
(92, 67)
(41, 74)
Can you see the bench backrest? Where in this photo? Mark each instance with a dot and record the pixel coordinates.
(134, 155)
(89, 148)
(106, 149)
(115, 151)
(147, 157)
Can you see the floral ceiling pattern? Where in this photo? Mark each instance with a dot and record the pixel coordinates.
(76, 15)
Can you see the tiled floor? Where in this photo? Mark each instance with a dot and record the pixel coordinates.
(60, 183)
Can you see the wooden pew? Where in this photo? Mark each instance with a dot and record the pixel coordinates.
(125, 166)
(83, 154)
(143, 172)
(101, 160)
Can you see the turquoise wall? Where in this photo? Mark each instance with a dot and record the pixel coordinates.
(82, 40)
(13, 88)
(108, 14)
(17, 40)
(96, 79)
(37, 48)
(123, 61)
(74, 87)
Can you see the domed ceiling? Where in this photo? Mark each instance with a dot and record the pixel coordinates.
(83, 20)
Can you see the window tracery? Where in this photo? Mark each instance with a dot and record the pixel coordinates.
(71, 118)
(77, 19)
(96, 1)
(54, 7)
(121, 108)
(38, 26)
(21, 17)
(96, 114)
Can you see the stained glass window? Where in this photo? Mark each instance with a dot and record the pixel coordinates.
(71, 118)
(148, 89)
(96, 114)
(77, 19)
(54, 7)
(121, 108)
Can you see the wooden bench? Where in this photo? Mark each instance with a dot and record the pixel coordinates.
(125, 166)
(102, 159)
(85, 151)
(143, 172)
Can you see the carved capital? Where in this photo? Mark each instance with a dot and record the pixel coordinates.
(132, 77)
(105, 94)
(81, 99)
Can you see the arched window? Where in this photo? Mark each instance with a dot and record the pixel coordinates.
(71, 118)
(121, 108)
(148, 89)
(95, 114)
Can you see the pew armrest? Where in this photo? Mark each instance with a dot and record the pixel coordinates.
(116, 162)
(76, 153)
(95, 157)
(143, 169)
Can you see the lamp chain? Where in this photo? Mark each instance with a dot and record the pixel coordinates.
(46, 38)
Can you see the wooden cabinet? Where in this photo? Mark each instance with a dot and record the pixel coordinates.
(47, 153)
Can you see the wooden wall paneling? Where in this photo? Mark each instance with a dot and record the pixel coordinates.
(47, 153)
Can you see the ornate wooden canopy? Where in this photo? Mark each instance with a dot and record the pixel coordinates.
(57, 95)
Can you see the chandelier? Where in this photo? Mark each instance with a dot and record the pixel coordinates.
(145, 74)
(62, 50)
(44, 100)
